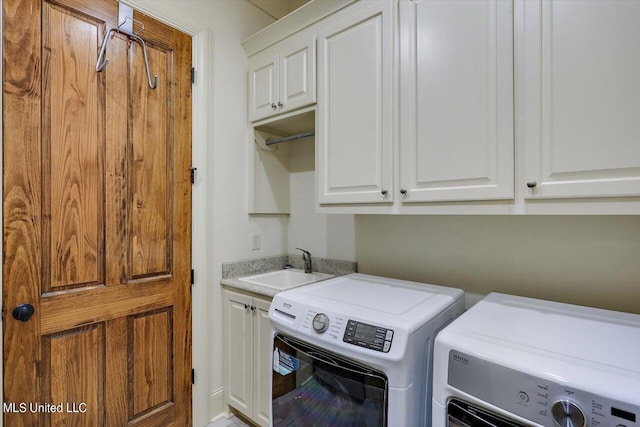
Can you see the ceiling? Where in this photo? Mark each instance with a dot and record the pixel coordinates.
(277, 8)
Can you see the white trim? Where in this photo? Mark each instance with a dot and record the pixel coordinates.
(306, 15)
(154, 15)
(202, 234)
(216, 403)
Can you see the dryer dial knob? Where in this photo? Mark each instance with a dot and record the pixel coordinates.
(320, 323)
(567, 414)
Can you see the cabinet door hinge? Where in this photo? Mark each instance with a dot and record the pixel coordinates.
(193, 174)
(193, 376)
(193, 75)
(193, 276)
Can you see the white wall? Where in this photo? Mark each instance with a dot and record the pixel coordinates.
(586, 260)
(325, 236)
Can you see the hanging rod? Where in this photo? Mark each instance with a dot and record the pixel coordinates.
(271, 141)
(102, 62)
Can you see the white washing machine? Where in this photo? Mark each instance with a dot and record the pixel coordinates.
(513, 361)
(356, 350)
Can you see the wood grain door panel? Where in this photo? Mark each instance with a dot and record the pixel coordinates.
(72, 152)
(97, 218)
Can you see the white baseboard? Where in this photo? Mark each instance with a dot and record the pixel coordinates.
(217, 406)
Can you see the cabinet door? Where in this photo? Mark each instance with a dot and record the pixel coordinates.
(263, 84)
(354, 133)
(262, 361)
(456, 80)
(238, 329)
(581, 98)
(297, 73)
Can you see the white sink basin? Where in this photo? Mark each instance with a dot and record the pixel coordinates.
(285, 279)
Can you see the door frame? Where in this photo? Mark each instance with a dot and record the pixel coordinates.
(201, 213)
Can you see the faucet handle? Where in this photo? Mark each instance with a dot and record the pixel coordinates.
(306, 258)
(305, 253)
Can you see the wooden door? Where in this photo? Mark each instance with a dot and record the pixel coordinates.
(354, 141)
(97, 220)
(581, 99)
(456, 82)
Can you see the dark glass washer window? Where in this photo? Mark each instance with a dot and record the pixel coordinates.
(327, 390)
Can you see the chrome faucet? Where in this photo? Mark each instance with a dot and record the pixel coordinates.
(306, 258)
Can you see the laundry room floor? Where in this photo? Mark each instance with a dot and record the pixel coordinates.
(229, 422)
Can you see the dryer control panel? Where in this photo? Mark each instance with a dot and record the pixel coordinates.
(536, 399)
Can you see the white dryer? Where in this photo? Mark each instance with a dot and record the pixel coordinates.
(513, 361)
(356, 350)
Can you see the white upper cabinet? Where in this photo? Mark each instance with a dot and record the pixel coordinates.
(282, 78)
(580, 98)
(456, 100)
(354, 136)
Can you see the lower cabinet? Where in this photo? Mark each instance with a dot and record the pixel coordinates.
(247, 349)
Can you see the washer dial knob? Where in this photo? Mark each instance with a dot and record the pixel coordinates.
(567, 414)
(320, 323)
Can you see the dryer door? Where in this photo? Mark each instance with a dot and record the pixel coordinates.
(461, 414)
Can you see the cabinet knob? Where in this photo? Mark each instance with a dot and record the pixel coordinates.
(531, 184)
(403, 191)
(280, 104)
(274, 106)
(384, 192)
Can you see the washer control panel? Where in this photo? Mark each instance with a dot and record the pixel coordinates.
(537, 399)
(368, 336)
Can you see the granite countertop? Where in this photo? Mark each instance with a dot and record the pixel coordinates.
(232, 272)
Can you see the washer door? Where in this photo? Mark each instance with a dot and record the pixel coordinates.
(462, 414)
(313, 387)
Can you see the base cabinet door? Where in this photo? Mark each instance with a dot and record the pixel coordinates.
(456, 100)
(581, 98)
(247, 345)
(354, 148)
(262, 361)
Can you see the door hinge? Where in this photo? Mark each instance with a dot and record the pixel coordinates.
(193, 174)
(193, 276)
(193, 75)
(193, 376)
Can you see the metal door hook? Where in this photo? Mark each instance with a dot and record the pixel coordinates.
(102, 62)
